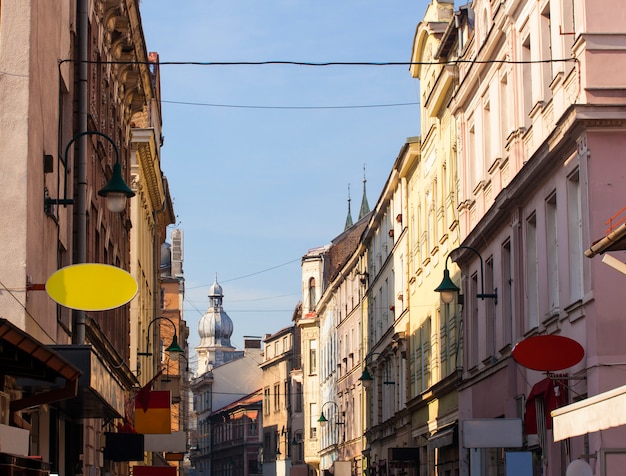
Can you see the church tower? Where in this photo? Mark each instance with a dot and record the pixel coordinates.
(349, 222)
(365, 208)
(215, 329)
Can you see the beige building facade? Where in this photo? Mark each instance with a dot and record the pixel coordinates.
(282, 404)
(433, 180)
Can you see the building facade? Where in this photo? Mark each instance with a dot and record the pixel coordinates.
(236, 437)
(432, 175)
(282, 404)
(539, 114)
(332, 442)
(382, 258)
(214, 387)
(70, 103)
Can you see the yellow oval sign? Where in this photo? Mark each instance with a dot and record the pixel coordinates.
(91, 287)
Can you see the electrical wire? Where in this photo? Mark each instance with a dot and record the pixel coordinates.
(251, 274)
(323, 63)
(243, 106)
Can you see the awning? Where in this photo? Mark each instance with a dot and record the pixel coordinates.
(12, 464)
(552, 394)
(600, 412)
(100, 394)
(446, 436)
(24, 357)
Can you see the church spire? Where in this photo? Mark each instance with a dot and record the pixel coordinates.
(349, 217)
(365, 208)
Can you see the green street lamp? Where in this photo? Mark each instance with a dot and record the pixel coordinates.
(116, 192)
(448, 290)
(173, 350)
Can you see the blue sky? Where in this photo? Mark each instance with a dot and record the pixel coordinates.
(259, 157)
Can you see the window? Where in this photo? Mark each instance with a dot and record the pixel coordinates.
(575, 239)
(473, 165)
(567, 36)
(532, 274)
(527, 80)
(434, 214)
(313, 420)
(448, 347)
(426, 354)
(473, 322)
(490, 308)
(552, 254)
(312, 356)
(505, 120)
(312, 297)
(507, 294)
(421, 359)
(546, 52)
(487, 155)
(298, 397)
(429, 220)
(252, 427)
(266, 401)
(276, 397)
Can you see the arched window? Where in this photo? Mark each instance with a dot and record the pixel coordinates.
(312, 297)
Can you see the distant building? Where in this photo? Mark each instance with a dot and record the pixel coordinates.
(236, 437)
(282, 404)
(331, 335)
(215, 329)
(224, 376)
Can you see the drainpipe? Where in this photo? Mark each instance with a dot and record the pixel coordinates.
(80, 209)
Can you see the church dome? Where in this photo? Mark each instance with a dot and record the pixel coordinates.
(215, 290)
(215, 327)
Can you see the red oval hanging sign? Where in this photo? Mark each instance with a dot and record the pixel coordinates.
(548, 353)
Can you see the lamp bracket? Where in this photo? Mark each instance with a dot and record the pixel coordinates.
(493, 296)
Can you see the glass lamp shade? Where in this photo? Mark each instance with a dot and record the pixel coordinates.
(116, 190)
(366, 378)
(116, 202)
(447, 289)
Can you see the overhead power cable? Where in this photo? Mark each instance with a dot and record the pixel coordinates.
(243, 106)
(251, 274)
(327, 63)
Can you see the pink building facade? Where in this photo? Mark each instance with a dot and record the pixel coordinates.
(539, 100)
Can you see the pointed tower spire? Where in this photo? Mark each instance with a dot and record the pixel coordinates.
(349, 217)
(365, 208)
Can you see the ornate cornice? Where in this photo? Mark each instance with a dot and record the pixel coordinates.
(143, 142)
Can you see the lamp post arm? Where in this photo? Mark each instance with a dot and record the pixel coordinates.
(482, 294)
(482, 268)
(326, 403)
(65, 200)
(92, 133)
(148, 332)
